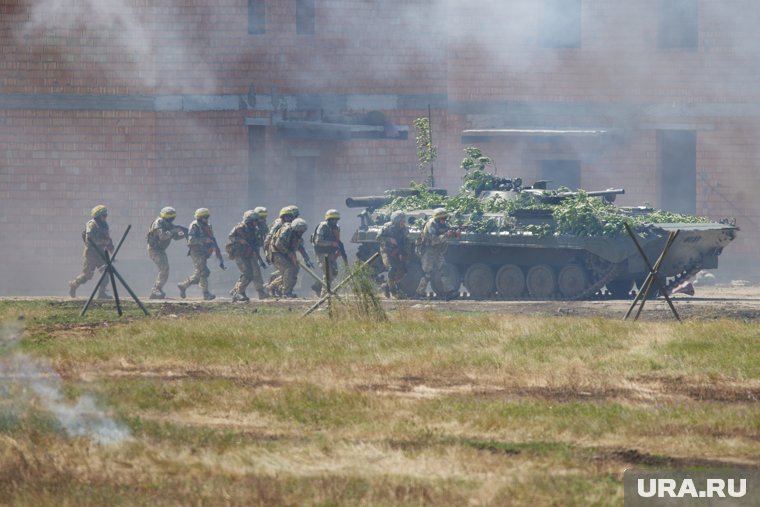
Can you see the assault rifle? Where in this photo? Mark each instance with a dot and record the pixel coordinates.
(218, 254)
(255, 248)
(342, 250)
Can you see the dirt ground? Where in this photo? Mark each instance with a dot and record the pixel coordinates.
(733, 301)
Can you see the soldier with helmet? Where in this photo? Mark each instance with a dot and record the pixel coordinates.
(243, 248)
(287, 215)
(285, 244)
(202, 243)
(261, 225)
(328, 247)
(161, 233)
(96, 232)
(395, 250)
(431, 247)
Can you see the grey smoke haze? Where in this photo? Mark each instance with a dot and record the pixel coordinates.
(31, 383)
(138, 43)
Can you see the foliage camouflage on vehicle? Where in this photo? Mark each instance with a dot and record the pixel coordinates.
(579, 215)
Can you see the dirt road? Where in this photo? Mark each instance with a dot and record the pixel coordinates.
(709, 302)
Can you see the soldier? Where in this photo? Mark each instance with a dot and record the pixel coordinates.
(328, 247)
(287, 215)
(285, 244)
(261, 224)
(202, 243)
(395, 251)
(243, 248)
(431, 247)
(162, 232)
(96, 231)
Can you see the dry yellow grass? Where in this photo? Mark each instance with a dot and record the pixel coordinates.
(232, 408)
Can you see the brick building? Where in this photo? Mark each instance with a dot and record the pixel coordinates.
(228, 104)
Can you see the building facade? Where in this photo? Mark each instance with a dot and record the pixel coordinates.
(232, 104)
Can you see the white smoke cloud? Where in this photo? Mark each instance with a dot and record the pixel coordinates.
(141, 49)
(32, 382)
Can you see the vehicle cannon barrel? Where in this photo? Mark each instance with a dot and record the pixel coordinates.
(377, 201)
(555, 198)
(371, 201)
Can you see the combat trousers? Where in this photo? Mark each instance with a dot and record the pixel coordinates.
(432, 261)
(161, 260)
(288, 272)
(249, 272)
(201, 272)
(396, 270)
(92, 261)
(332, 261)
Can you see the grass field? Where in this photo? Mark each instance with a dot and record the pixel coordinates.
(217, 405)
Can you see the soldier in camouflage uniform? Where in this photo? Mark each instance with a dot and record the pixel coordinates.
(285, 244)
(201, 242)
(261, 224)
(161, 233)
(243, 248)
(431, 247)
(96, 231)
(328, 247)
(395, 248)
(287, 215)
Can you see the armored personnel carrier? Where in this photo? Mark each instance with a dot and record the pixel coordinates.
(526, 245)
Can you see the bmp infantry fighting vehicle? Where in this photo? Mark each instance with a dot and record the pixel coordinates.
(536, 246)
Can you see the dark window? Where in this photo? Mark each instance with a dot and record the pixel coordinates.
(257, 166)
(677, 160)
(560, 24)
(561, 173)
(679, 20)
(256, 16)
(305, 16)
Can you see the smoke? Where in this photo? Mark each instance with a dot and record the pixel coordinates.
(28, 383)
(143, 47)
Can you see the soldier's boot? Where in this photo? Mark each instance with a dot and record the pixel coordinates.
(207, 296)
(317, 288)
(73, 289)
(386, 290)
(157, 294)
(182, 290)
(263, 294)
(290, 295)
(240, 297)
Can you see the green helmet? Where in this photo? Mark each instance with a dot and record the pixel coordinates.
(397, 216)
(168, 213)
(440, 213)
(250, 216)
(299, 225)
(99, 211)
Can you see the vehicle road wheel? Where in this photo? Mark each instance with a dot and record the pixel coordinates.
(541, 281)
(572, 281)
(479, 281)
(448, 281)
(510, 281)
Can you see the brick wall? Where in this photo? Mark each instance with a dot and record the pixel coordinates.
(146, 106)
